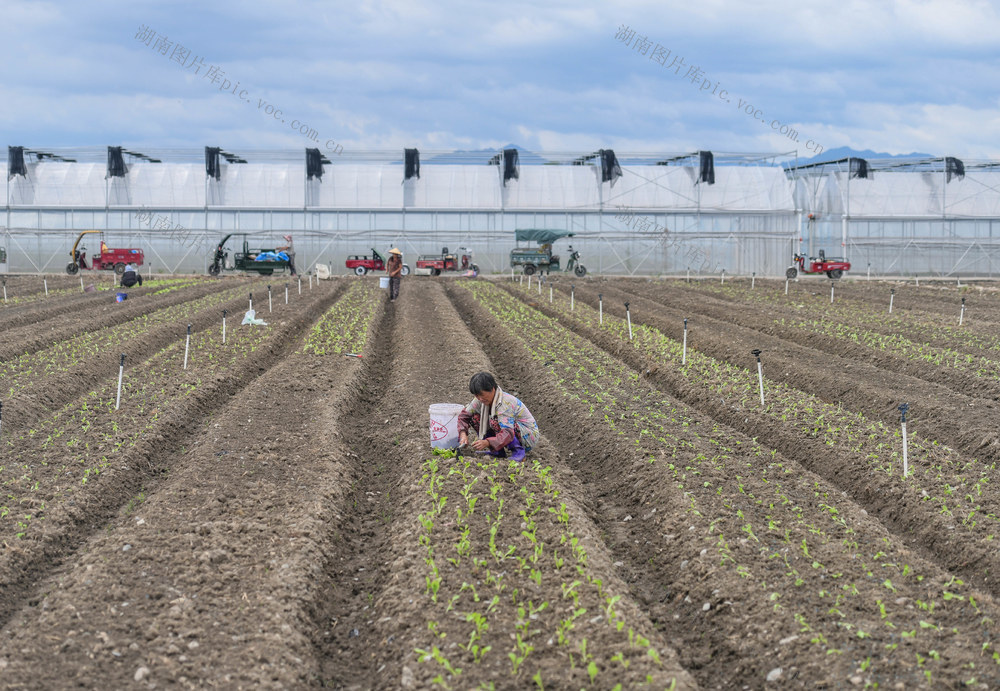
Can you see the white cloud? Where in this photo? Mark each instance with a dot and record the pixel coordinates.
(898, 76)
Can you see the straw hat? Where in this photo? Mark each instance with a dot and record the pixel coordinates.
(395, 250)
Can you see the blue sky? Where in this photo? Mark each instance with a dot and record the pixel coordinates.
(891, 76)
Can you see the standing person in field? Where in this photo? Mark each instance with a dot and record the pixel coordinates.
(289, 249)
(394, 267)
(502, 423)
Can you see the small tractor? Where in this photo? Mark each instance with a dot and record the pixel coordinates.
(107, 258)
(834, 267)
(541, 258)
(434, 264)
(362, 263)
(262, 261)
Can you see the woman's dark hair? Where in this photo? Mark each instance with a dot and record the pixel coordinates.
(480, 382)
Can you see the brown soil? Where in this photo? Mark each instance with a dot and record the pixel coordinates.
(272, 517)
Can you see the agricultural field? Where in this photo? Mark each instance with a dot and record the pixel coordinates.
(267, 512)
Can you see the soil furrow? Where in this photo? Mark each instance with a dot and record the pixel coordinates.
(380, 611)
(744, 637)
(937, 411)
(69, 527)
(900, 509)
(40, 399)
(102, 312)
(227, 549)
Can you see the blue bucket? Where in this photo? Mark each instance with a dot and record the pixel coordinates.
(121, 297)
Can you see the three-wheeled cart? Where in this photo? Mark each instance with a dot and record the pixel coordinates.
(834, 267)
(264, 261)
(361, 264)
(108, 258)
(434, 264)
(540, 258)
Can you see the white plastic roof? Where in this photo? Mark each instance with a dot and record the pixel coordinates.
(902, 194)
(281, 185)
(380, 186)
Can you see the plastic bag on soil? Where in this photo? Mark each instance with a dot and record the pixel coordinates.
(251, 318)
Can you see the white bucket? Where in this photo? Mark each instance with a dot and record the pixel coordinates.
(444, 425)
(383, 282)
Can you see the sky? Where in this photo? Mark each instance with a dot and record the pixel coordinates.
(893, 76)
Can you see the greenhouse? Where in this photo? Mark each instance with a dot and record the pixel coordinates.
(630, 213)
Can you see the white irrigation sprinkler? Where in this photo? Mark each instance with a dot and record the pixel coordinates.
(251, 302)
(753, 280)
(902, 421)
(684, 350)
(869, 271)
(45, 281)
(81, 284)
(760, 374)
(786, 285)
(121, 371)
(892, 297)
(723, 282)
(1, 417)
(572, 297)
(300, 285)
(529, 281)
(269, 299)
(539, 284)
(550, 294)
(512, 274)
(600, 307)
(831, 292)
(689, 274)
(961, 315)
(5, 291)
(628, 315)
(310, 280)
(224, 312)
(187, 347)
(286, 293)
(917, 279)
(520, 279)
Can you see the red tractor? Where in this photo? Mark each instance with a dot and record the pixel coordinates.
(834, 267)
(433, 264)
(108, 258)
(362, 263)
